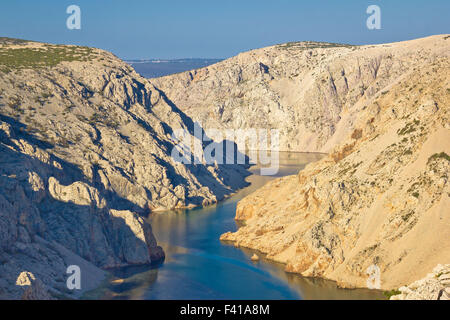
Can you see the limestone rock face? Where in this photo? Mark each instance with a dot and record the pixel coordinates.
(85, 153)
(312, 92)
(380, 198)
(435, 286)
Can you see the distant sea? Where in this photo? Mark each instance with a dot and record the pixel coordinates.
(158, 68)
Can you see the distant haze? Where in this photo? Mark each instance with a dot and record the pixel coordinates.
(155, 68)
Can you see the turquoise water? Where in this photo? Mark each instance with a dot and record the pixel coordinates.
(199, 266)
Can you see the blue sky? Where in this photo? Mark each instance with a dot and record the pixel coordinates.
(217, 29)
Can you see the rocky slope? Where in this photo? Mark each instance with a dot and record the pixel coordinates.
(381, 197)
(85, 151)
(312, 92)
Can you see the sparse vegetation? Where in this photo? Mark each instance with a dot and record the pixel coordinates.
(441, 155)
(42, 55)
(14, 102)
(407, 216)
(408, 152)
(43, 98)
(374, 66)
(312, 45)
(69, 108)
(409, 128)
(102, 117)
(357, 134)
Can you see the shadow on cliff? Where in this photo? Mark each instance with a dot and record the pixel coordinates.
(198, 169)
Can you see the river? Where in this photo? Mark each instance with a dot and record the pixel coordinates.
(199, 266)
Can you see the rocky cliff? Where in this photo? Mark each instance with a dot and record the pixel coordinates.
(85, 153)
(381, 197)
(312, 92)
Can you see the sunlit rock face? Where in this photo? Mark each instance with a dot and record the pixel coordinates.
(435, 286)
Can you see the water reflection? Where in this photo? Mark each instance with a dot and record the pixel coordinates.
(199, 266)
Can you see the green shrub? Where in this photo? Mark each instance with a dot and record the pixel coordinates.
(389, 294)
(409, 128)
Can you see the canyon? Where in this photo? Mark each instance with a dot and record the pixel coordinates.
(86, 154)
